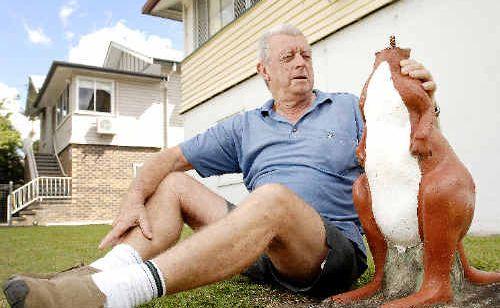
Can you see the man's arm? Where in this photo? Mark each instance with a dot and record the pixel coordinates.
(132, 209)
(155, 169)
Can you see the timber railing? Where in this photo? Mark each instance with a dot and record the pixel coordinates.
(43, 187)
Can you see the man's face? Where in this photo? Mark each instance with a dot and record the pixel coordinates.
(288, 69)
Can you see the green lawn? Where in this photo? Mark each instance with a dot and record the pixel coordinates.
(46, 249)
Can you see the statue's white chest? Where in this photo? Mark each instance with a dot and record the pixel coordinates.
(393, 173)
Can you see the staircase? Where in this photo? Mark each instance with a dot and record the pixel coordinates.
(25, 201)
(27, 204)
(47, 165)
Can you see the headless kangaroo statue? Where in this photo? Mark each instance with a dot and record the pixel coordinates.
(415, 189)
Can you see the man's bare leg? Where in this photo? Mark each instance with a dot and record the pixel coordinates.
(271, 219)
(179, 199)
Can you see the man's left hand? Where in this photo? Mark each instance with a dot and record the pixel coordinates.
(416, 70)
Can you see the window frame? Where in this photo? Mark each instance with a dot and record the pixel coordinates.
(67, 90)
(135, 168)
(196, 42)
(79, 79)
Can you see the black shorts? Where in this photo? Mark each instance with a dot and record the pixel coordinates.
(344, 263)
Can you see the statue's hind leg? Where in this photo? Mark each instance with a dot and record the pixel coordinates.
(444, 218)
(376, 241)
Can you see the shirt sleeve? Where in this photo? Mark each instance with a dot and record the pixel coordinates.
(358, 117)
(215, 151)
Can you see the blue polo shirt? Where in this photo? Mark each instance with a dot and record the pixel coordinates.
(314, 157)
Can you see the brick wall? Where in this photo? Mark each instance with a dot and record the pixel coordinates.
(101, 175)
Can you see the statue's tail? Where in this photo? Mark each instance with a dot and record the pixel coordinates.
(473, 274)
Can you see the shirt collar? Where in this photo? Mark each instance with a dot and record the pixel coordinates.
(321, 97)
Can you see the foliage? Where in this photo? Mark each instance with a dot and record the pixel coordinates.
(11, 168)
(36, 146)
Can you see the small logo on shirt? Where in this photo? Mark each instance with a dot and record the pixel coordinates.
(330, 134)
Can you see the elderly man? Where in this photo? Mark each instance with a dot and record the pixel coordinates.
(297, 227)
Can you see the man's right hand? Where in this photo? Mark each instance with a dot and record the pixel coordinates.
(132, 213)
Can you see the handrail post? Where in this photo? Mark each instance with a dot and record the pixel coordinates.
(9, 210)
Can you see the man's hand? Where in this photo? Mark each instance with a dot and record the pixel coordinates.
(416, 70)
(132, 213)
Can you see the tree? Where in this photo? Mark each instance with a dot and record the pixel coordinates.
(11, 168)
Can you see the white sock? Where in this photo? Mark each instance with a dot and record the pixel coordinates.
(121, 255)
(130, 286)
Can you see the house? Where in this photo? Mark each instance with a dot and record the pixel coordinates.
(122, 58)
(456, 40)
(98, 125)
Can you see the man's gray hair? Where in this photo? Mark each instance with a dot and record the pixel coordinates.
(284, 29)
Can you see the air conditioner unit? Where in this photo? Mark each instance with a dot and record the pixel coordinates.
(105, 126)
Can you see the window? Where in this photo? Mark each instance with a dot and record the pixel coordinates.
(213, 15)
(201, 17)
(136, 167)
(62, 106)
(95, 95)
(226, 12)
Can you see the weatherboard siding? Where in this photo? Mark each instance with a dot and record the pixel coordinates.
(63, 134)
(137, 118)
(229, 57)
(174, 98)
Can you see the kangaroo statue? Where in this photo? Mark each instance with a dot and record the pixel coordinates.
(415, 189)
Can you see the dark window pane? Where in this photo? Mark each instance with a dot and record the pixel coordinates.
(58, 112)
(103, 101)
(86, 98)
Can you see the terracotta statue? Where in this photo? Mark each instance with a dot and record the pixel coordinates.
(415, 189)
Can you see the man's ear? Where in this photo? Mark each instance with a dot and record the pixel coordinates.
(261, 69)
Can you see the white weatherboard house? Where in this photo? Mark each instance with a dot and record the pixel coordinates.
(457, 40)
(98, 125)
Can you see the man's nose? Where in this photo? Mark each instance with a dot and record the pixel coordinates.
(299, 61)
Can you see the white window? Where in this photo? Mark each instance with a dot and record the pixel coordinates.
(136, 167)
(212, 15)
(62, 106)
(95, 95)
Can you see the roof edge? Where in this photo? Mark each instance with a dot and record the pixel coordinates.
(149, 6)
(57, 64)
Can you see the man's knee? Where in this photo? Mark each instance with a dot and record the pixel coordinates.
(176, 182)
(276, 199)
(274, 191)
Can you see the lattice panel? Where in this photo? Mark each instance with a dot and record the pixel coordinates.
(201, 22)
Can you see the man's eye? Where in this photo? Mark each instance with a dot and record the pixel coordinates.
(306, 55)
(287, 58)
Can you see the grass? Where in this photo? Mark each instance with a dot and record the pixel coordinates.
(47, 249)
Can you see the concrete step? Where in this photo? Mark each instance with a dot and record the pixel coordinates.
(24, 221)
(47, 163)
(44, 160)
(49, 174)
(27, 211)
(47, 169)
